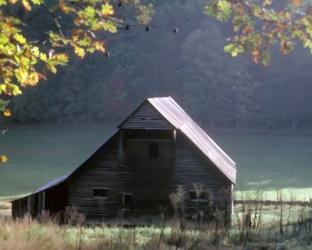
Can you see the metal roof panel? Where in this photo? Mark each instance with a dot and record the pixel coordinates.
(183, 122)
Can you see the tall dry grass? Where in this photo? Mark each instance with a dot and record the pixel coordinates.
(253, 227)
(26, 234)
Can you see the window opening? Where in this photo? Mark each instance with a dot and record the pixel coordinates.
(100, 193)
(153, 150)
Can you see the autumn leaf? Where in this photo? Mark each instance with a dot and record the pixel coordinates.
(267, 2)
(61, 58)
(107, 9)
(26, 5)
(225, 9)
(110, 27)
(10, 89)
(296, 3)
(37, 2)
(19, 38)
(21, 74)
(79, 51)
(255, 55)
(33, 79)
(65, 8)
(247, 29)
(3, 159)
(7, 112)
(233, 49)
(99, 46)
(43, 57)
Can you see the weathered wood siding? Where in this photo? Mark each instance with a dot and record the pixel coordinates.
(99, 171)
(149, 180)
(152, 177)
(191, 167)
(19, 208)
(53, 200)
(130, 171)
(146, 117)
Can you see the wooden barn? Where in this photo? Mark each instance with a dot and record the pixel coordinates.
(156, 149)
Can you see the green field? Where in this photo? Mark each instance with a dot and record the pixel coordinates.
(265, 161)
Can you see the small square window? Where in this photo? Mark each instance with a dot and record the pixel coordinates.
(193, 195)
(153, 150)
(100, 193)
(127, 201)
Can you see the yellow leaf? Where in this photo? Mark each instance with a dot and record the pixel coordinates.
(3, 158)
(7, 112)
(75, 38)
(52, 68)
(10, 89)
(21, 74)
(267, 2)
(26, 5)
(61, 58)
(110, 27)
(35, 51)
(20, 38)
(99, 46)
(33, 79)
(65, 8)
(79, 51)
(107, 9)
(43, 57)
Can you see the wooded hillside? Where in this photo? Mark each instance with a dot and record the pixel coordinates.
(179, 54)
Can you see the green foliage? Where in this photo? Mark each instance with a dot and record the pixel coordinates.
(259, 26)
(233, 49)
(189, 65)
(24, 60)
(222, 10)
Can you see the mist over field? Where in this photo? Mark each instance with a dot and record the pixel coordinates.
(265, 161)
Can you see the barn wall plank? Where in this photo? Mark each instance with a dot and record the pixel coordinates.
(150, 180)
(146, 117)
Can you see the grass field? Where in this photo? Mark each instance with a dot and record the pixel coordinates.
(265, 161)
(279, 231)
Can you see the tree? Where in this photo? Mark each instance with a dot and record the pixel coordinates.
(213, 83)
(261, 25)
(24, 60)
(27, 57)
(158, 62)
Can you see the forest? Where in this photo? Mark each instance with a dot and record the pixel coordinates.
(180, 53)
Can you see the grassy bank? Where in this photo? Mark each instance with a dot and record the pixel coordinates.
(5, 208)
(255, 225)
(28, 235)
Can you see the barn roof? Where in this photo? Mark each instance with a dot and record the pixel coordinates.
(46, 186)
(173, 113)
(51, 183)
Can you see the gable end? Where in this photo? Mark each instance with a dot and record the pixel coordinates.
(146, 117)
